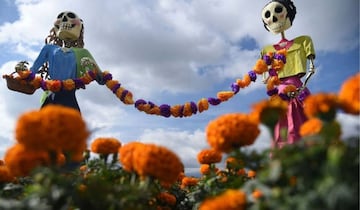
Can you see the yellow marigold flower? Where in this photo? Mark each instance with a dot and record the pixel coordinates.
(111, 84)
(232, 131)
(157, 161)
(208, 156)
(166, 198)
(126, 154)
(105, 146)
(244, 82)
(251, 174)
(203, 105)
(349, 95)
(53, 128)
(187, 109)
(311, 127)
(5, 175)
(269, 111)
(225, 95)
(21, 160)
(322, 105)
(189, 181)
(256, 194)
(229, 200)
(205, 169)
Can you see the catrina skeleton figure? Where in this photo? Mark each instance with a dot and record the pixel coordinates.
(278, 16)
(63, 57)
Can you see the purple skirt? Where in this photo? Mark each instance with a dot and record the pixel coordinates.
(287, 129)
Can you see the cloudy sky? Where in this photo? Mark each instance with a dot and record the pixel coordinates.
(174, 51)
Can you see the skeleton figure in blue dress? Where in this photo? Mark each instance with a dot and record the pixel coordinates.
(64, 57)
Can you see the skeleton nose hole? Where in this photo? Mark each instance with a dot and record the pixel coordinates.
(274, 19)
(64, 19)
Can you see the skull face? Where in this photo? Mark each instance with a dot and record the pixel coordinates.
(68, 26)
(275, 17)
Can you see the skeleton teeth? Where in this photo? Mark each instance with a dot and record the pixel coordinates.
(66, 26)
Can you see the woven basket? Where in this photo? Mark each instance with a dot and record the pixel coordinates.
(19, 86)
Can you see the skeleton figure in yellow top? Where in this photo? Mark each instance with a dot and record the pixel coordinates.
(277, 17)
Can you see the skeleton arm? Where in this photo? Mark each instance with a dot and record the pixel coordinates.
(311, 71)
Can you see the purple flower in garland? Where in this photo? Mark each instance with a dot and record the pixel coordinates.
(152, 105)
(123, 95)
(284, 97)
(43, 85)
(165, 110)
(280, 57)
(31, 77)
(79, 83)
(267, 59)
(235, 87)
(92, 74)
(214, 101)
(115, 88)
(139, 102)
(272, 72)
(193, 107)
(107, 77)
(252, 75)
(272, 92)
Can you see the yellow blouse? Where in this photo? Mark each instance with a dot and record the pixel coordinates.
(296, 58)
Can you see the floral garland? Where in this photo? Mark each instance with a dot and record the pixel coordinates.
(28, 77)
(272, 62)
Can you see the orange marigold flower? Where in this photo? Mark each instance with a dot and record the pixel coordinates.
(241, 172)
(157, 161)
(232, 131)
(69, 84)
(311, 127)
(277, 65)
(187, 109)
(2, 163)
(233, 163)
(269, 111)
(105, 146)
(126, 154)
(257, 194)
(167, 198)
(21, 160)
(5, 175)
(229, 200)
(251, 174)
(349, 95)
(208, 156)
(176, 110)
(53, 128)
(203, 105)
(189, 181)
(322, 105)
(260, 66)
(225, 95)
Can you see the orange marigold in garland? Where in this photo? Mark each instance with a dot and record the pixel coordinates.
(229, 200)
(105, 146)
(52, 128)
(21, 160)
(158, 162)
(208, 156)
(349, 95)
(126, 154)
(311, 127)
(232, 131)
(321, 105)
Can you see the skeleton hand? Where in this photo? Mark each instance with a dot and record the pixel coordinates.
(21, 66)
(87, 62)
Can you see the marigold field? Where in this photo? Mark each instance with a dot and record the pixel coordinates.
(49, 166)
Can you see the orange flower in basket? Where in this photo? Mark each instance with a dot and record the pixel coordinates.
(158, 162)
(105, 146)
(209, 156)
(349, 95)
(232, 131)
(229, 200)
